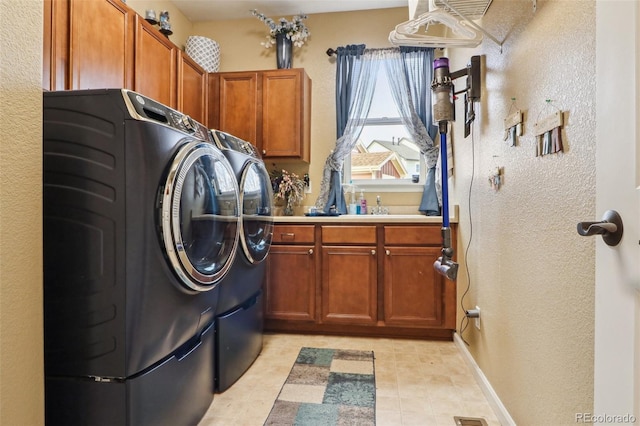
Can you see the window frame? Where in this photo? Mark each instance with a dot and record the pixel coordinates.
(385, 185)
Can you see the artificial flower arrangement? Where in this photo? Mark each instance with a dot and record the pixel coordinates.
(295, 30)
(287, 187)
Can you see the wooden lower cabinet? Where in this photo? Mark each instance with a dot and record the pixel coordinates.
(349, 285)
(290, 289)
(412, 288)
(369, 280)
(290, 285)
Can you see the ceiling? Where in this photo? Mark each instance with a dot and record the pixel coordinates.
(217, 10)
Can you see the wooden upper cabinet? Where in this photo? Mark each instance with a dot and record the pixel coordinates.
(55, 45)
(236, 104)
(155, 64)
(100, 45)
(270, 109)
(286, 109)
(192, 88)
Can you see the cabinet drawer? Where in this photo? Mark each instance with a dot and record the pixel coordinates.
(348, 235)
(412, 235)
(293, 234)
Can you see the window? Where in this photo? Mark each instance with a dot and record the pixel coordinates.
(385, 156)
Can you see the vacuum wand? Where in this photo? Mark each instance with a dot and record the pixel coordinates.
(442, 89)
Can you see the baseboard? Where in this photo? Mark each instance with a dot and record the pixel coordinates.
(501, 412)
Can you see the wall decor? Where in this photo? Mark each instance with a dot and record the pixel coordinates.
(513, 124)
(548, 131)
(205, 51)
(284, 34)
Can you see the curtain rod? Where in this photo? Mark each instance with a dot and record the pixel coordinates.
(331, 51)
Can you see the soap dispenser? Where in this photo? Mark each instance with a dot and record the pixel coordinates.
(352, 201)
(363, 203)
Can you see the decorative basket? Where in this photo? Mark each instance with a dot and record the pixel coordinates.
(204, 51)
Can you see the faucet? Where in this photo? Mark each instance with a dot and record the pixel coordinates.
(379, 209)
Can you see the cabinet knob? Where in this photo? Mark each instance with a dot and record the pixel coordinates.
(373, 252)
(310, 251)
(264, 152)
(388, 252)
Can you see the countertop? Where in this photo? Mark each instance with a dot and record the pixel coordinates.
(369, 218)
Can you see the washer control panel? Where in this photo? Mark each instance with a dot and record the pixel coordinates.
(144, 108)
(227, 141)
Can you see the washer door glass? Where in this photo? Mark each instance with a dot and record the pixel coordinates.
(257, 212)
(200, 215)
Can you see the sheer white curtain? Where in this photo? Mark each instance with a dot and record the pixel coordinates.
(412, 70)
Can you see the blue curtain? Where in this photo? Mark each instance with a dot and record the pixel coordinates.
(345, 73)
(356, 73)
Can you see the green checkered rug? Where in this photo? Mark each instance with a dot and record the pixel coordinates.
(327, 387)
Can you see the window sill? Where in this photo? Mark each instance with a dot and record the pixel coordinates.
(391, 186)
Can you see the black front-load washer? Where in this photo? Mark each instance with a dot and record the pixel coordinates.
(141, 224)
(239, 315)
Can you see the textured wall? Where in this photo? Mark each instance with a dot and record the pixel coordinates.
(21, 357)
(531, 274)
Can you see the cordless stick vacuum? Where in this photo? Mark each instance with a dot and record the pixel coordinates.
(442, 89)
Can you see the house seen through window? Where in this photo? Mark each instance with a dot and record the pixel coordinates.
(385, 154)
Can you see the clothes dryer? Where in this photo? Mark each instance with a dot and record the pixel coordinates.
(239, 316)
(141, 224)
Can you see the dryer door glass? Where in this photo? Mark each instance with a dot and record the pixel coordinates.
(200, 215)
(257, 215)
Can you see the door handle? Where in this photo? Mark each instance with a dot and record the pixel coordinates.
(610, 227)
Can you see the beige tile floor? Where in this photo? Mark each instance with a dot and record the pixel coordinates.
(418, 382)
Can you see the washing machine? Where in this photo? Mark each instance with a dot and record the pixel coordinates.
(141, 225)
(239, 315)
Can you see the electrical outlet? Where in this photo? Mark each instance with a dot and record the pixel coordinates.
(307, 188)
(478, 318)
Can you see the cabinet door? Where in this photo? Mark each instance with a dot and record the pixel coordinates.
(155, 64)
(238, 105)
(290, 287)
(192, 88)
(415, 295)
(55, 45)
(286, 97)
(349, 285)
(100, 44)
